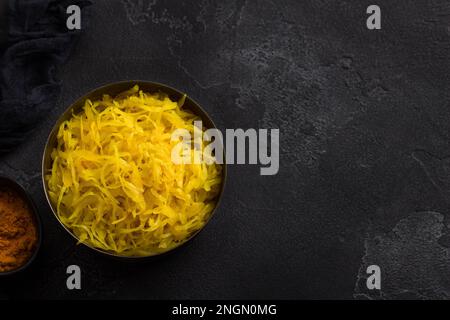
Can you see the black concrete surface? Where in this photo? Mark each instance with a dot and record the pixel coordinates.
(365, 148)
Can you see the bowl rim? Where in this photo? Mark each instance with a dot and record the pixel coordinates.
(25, 195)
(98, 90)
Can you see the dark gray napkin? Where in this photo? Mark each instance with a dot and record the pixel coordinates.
(38, 41)
(3, 24)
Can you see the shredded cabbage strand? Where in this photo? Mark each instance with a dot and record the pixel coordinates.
(113, 182)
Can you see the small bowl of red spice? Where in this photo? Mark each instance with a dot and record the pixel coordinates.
(20, 228)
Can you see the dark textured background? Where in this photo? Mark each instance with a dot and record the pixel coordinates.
(365, 148)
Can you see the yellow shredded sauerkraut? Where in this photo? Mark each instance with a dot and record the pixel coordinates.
(113, 182)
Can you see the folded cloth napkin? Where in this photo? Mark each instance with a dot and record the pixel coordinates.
(3, 25)
(38, 41)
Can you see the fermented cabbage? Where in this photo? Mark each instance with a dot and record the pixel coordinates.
(112, 180)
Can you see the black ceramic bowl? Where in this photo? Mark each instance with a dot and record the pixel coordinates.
(113, 89)
(9, 184)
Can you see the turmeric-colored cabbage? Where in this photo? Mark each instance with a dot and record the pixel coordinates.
(113, 182)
